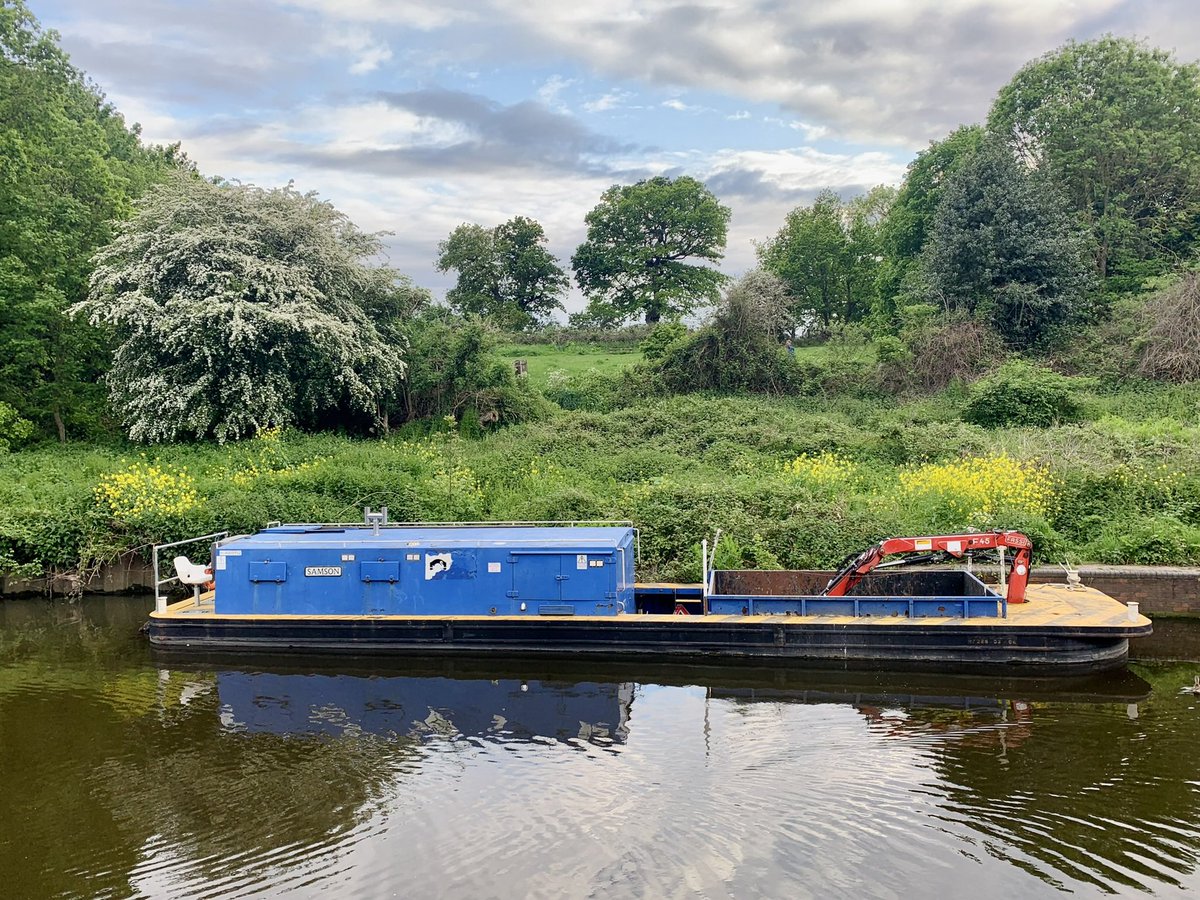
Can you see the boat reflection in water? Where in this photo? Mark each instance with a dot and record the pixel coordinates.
(501, 709)
(529, 700)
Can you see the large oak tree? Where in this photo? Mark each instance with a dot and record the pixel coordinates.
(505, 274)
(641, 240)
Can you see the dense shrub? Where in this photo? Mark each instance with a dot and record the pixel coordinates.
(1151, 540)
(454, 371)
(1023, 394)
(740, 350)
(661, 339)
(715, 359)
(890, 350)
(14, 430)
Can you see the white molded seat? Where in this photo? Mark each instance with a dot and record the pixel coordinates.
(190, 572)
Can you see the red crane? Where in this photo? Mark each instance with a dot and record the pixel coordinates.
(955, 545)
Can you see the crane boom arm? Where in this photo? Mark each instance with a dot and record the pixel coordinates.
(956, 545)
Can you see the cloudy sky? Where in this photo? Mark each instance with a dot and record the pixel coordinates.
(416, 116)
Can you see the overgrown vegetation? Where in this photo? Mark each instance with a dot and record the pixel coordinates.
(1009, 339)
(799, 483)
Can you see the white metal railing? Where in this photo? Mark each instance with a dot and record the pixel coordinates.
(160, 600)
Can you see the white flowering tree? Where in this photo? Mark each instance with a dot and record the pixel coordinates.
(237, 308)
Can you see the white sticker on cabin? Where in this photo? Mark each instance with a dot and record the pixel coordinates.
(413, 557)
(581, 560)
(221, 563)
(436, 564)
(493, 567)
(322, 571)
(347, 557)
(231, 552)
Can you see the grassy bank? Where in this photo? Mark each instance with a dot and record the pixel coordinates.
(547, 362)
(793, 482)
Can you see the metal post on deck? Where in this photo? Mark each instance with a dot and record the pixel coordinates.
(160, 602)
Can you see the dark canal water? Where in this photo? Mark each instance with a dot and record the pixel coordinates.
(124, 774)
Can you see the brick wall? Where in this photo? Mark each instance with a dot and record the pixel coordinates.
(1157, 589)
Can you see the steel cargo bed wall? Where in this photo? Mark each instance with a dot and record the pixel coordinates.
(914, 595)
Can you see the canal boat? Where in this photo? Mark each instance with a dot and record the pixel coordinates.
(570, 589)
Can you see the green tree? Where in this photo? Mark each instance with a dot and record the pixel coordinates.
(1117, 124)
(237, 309)
(639, 240)
(864, 250)
(505, 273)
(904, 230)
(808, 255)
(827, 255)
(68, 167)
(1004, 248)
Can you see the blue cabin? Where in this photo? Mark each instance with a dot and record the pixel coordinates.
(467, 570)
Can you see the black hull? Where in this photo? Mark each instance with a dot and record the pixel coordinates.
(942, 648)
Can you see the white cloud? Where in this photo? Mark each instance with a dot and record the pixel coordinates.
(551, 90)
(366, 52)
(899, 72)
(407, 13)
(608, 101)
(895, 73)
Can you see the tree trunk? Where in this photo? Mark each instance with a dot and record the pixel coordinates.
(653, 316)
(60, 426)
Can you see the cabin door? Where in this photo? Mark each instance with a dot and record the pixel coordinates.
(561, 577)
(585, 577)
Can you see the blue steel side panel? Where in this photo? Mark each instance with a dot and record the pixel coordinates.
(903, 607)
(304, 570)
(265, 570)
(380, 570)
